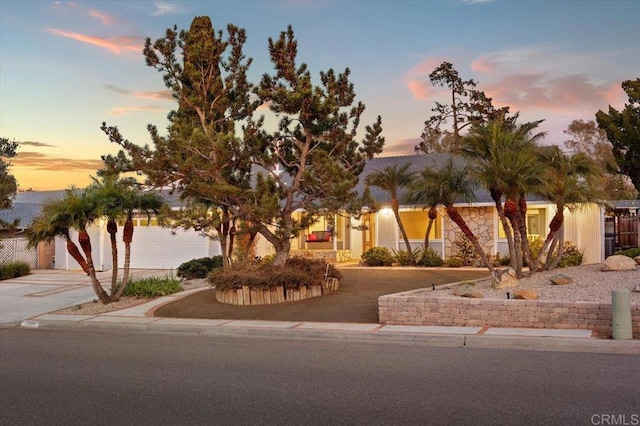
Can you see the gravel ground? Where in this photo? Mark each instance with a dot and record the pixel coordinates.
(590, 284)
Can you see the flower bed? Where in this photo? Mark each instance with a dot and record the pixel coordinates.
(266, 296)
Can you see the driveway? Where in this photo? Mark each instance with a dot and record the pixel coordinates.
(46, 290)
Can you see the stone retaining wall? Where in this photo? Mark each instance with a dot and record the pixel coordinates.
(414, 308)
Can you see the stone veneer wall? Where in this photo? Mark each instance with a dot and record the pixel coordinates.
(479, 220)
(414, 308)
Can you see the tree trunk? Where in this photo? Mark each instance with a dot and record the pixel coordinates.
(511, 212)
(433, 214)
(112, 229)
(396, 211)
(127, 238)
(558, 257)
(74, 251)
(508, 233)
(85, 243)
(554, 226)
(282, 252)
(522, 212)
(455, 216)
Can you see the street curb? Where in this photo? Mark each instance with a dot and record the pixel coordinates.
(589, 345)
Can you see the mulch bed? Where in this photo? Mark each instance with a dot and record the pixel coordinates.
(356, 301)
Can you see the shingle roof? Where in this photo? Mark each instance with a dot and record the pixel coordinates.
(27, 205)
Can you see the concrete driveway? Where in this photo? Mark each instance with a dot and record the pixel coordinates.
(47, 290)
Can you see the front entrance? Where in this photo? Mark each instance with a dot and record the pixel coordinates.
(368, 232)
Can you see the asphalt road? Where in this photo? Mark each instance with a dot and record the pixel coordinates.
(115, 377)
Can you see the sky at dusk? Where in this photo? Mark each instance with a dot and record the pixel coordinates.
(65, 67)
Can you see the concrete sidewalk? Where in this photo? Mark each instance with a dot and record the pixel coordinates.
(141, 318)
(47, 290)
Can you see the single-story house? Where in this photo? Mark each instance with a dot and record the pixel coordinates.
(341, 238)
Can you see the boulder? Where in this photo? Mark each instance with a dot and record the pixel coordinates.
(507, 280)
(636, 289)
(561, 279)
(637, 259)
(619, 262)
(525, 294)
(466, 290)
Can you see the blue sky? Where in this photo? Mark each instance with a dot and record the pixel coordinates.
(67, 66)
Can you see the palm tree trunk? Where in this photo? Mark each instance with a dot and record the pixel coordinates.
(511, 212)
(508, 233)
(558, 257)
(522, 213)
(433, 214)
(396, 211)
(127, 238)
(85, 243)
(455, 216)
(112, 229)
(74, 251)
(554, 226)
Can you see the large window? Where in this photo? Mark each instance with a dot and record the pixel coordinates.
(415, 224)
(535, 224)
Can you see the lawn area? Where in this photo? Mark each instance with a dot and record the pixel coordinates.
(356, 301)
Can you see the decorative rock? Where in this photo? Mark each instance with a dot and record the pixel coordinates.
(507, 280)
(561, 279)
(619, 262)
(636, 289)
(637, 259)
(525, 294)
(466, 290)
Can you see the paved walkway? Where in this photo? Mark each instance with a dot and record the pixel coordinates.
(47, 290)
(28, 301)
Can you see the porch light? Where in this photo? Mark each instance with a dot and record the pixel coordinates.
(386, 211)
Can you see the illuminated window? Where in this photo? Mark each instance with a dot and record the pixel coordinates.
(415, 224)
(535, 224)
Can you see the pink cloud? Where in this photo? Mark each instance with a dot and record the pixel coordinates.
(401, 147)
(105, 18)
(566, 94)
(417, 78)
(130, 109)
(614, 95)
(158, 95)
(117, 45)
(483, 65)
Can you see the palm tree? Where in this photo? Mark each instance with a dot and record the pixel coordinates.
(445, 186)
(51, 223)
(392, 179)
(503, 158)
(147, 203)
(568, 184)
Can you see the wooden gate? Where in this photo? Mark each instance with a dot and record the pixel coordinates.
(628, 234)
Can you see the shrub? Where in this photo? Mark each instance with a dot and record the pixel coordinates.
(632, 253)
(401, 257)
(535, 245)
(377, 256)
(454, 262)
(14, 270)
(465, 251)
(499, 260)
(145, 288)
(199, 268)
(296, 272)
(430, 258)
(572, 255)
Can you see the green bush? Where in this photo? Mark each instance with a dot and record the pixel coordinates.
(465, 251)
(430, 258)
(377, 256)
(14, 270)
(145, 288)
(632, 253)
(572, 255)
(499, 260)
(454, 262)
(401, 257)
(535, 245)
(296, 272)
(199, 268)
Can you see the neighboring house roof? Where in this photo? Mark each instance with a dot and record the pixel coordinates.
(625, 204)
(27, 205)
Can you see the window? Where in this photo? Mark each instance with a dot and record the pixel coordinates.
(415, 224)
(535, 224)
